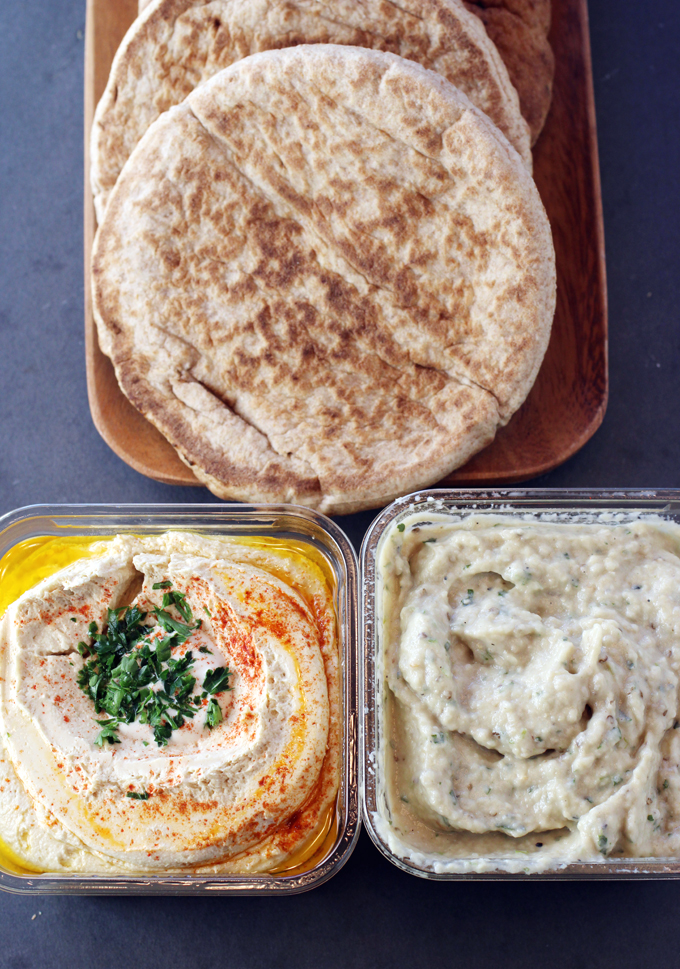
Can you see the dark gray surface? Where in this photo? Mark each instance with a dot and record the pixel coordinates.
(370, 914)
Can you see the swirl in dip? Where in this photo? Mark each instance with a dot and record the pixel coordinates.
(532, 669)
(244, 789)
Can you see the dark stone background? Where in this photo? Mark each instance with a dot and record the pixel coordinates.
(370, 914)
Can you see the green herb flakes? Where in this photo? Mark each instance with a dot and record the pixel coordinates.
(216, 680)
(214, 714)
(132, 675)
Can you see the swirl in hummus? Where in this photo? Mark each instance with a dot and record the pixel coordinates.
(532, 710)
(244, 796)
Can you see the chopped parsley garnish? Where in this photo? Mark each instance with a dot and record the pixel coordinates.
(108, 732)
(214, 714)
(144, 796)
(401, 526)
(131, 675)
(216, 680)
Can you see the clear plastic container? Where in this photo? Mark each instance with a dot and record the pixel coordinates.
(569, 506)
(278, 522)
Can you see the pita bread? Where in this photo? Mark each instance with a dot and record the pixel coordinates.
(325, 277)
(176, 44)
(519, 29)
(532, 11)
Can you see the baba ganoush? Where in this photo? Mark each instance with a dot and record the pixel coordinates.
(170, 703)
(531, 702)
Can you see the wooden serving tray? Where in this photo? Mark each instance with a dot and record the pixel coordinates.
(566, 404)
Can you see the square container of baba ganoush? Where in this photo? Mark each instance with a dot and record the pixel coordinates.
(520, 670)
(135, 758)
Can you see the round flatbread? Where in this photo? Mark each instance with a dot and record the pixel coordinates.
(519, 29)
(177, 44)
(325, 277)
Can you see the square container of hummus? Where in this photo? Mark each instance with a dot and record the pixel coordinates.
(520, 683)
(178, 699)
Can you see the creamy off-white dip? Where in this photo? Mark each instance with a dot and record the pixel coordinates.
(531, 703)
(246, 794)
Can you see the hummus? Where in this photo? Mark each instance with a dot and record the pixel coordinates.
(239, 774)
(531, 706)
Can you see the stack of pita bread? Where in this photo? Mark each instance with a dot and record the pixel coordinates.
(322, 268)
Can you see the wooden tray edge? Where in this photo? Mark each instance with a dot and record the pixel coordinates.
(459, 476)
(94, 358)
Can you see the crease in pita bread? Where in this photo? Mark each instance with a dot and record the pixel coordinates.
(325, 277)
